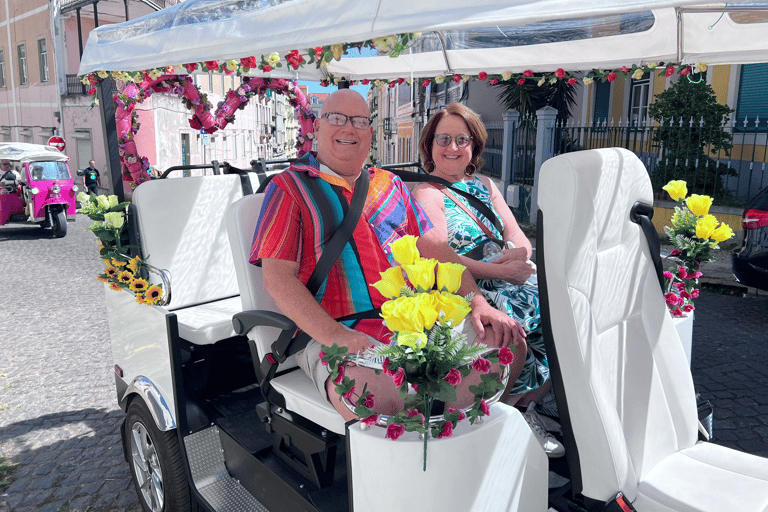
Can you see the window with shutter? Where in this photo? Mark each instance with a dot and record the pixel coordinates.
(752, 102)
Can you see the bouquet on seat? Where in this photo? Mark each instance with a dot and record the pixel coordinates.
(694, 233)
(427, 357)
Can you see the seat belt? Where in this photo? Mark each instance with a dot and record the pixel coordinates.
(476, 203)
(642, 213)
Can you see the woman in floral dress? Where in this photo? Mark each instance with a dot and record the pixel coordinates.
(451, 144)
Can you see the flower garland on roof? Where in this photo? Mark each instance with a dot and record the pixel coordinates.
(135, 168)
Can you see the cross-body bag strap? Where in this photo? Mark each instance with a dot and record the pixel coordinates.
(450, 195)
(476, 203)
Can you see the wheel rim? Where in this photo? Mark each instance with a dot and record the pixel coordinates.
(146, 466)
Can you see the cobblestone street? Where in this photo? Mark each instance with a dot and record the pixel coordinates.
(59, 419)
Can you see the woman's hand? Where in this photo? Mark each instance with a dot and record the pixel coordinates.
(513, 270)
(518, 253)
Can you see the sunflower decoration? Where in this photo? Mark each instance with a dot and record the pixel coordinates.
(121, 272)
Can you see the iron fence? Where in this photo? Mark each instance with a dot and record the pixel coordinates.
(728, 162)
(523, 147)
(75, 86)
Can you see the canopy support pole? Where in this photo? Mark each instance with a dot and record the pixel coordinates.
(445, 54)
(105, 89)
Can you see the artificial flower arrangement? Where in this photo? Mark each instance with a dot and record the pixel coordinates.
(120, 271)
(694, 233)
(427, 355)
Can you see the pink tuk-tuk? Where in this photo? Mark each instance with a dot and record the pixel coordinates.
(37, 186)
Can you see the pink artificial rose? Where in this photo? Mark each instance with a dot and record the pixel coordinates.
(521, 81)
(571, 81)
(349, 394)
(676, 312)
(528, 73)
(399, 377)
(394, 431)
(481, 365)
(191, 67)
(688, 308)
(340, 377)
(267, 68)
(369, 401)
(668, 274)
(560, 73)
(695, 275)
(685, 295)
(494, 81)
(453, 377)
(484, 407)
(505, 356)
(675, 252)
(384, 365)
(611, 76)
(462, 416)
(370, 420)
(457, 78)
(482, 75)
(682, 272)
(425, 82)
(669, 71)
(392, 84)
(91, 91)
(624, 69)
(365, 81)
(400, 80)
(413, 412)
(680, 287)
(686, 71)
(447, 430)
(695, 293)
(211, 65)
(670, 298)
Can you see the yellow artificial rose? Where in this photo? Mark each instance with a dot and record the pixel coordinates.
(439, 79)
(102, 74)
(426, 309)
(112, 201)
(421, 274)
(401, 314)
(337, 50)
(449, 276)
(699, 205)
(231, 65)
(677, 189)
(102, 202)
(155, 74)
(542, 82)
(722, 233)
(273, 59)
(705, 226)
(415, 340)
(404, 250)
(454, 307)
(638, 74)
(587, 80)
(507, 75)
(391, 282)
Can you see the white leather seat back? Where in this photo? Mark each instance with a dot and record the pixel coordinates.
(182, 229)
(242, 218)
(627, 384)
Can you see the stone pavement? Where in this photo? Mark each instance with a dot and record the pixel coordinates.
(59, 420)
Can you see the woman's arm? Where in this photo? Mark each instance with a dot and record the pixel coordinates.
(515, 271)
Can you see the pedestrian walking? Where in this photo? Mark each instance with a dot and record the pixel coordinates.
(91, 178)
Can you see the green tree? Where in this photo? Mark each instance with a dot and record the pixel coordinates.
(690, 132)
(530, 97)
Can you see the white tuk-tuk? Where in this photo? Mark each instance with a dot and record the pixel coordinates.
(219, 418)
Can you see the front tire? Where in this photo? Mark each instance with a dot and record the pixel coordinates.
(59, 226)
(156, 464)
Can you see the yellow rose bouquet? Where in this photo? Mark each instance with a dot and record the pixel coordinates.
(120, 270)
(427, 357)
(694, 233)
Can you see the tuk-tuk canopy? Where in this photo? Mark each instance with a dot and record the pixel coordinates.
(24, 152)
(287, 38)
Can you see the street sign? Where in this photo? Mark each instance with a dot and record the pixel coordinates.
(57, 142)
(206, 139)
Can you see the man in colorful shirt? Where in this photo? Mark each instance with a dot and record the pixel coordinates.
(291, 236)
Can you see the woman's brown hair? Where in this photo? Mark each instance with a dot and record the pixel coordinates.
(476, 131)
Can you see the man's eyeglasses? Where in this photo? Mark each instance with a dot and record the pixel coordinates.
(336, 119)
(444, 140)
(6, 164)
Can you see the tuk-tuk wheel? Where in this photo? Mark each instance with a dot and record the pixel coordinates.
(59, 226)
(156, 464)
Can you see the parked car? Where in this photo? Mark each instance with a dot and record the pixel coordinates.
(750, 261)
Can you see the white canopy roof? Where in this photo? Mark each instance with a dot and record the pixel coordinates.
(203, 30)
(24, 152)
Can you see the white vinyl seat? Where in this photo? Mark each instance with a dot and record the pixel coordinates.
(621, 377)
(182, 230)
(301, 396)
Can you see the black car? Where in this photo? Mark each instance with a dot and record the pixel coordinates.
(750, 261)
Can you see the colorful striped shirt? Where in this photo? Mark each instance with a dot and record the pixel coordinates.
(291, 228)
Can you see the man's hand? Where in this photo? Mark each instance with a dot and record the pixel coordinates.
(493, 327)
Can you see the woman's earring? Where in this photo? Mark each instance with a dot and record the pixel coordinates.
(467, 172)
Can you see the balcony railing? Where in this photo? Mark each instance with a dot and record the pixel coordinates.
(75, 86)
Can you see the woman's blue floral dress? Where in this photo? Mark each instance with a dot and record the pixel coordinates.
(520, 302)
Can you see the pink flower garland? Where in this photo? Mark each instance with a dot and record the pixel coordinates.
(135, 168)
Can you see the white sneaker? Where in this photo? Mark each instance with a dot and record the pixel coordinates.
(552, 447)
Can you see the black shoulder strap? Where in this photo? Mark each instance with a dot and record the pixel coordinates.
(476, 203)
(342, 235)
(642, 213)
